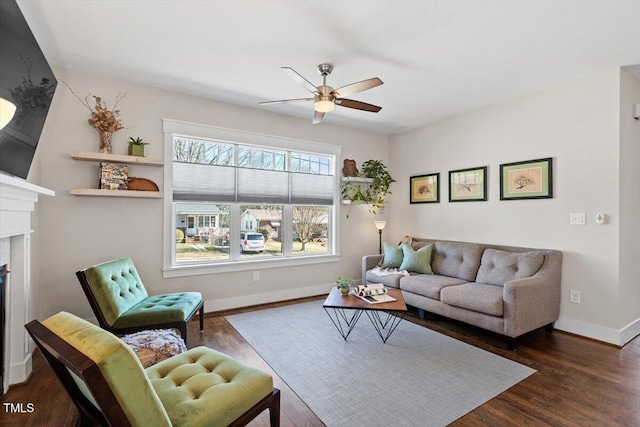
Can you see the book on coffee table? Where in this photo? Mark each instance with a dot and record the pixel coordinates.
(374, 293)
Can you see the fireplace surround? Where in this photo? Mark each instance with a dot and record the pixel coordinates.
(4, 271)
(18, 200)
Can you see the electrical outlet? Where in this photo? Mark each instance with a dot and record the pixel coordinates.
(256, 276)
(579, 218)
(574, 297)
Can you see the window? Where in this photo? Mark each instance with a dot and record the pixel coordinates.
(209, 241)
(244, 197)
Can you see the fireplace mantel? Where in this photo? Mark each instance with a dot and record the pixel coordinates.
(17, 197)
(17, 201)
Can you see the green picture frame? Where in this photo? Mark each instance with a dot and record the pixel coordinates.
(530, 179)
(424, 188)
(468, 185)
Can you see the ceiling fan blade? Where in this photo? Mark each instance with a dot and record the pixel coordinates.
(358, 105)
(301, 80)
(317, 117)
(281, 101)
(357, 87)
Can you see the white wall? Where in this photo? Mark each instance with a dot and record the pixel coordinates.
(577, 124)
(629, 207)
(77, 232)
(594, 148)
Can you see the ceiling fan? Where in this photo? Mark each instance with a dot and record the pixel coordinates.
(325, 97)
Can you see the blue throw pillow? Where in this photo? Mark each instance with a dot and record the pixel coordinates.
(417, 261)
(392, 256)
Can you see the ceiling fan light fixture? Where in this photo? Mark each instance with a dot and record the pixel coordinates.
(325, 97)
(7, 110)
(324, 104)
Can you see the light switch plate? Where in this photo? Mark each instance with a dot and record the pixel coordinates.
(579, 218)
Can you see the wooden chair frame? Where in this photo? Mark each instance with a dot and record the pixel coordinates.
(63, 357)
(180, 326)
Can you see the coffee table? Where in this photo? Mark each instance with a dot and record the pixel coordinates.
(336, 306)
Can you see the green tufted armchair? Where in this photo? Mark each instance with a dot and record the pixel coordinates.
(121, 303)
(109, 386)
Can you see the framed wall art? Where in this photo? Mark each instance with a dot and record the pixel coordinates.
(424, 188)
(531, 179)
(468, 185)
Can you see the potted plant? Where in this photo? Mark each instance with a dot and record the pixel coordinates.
(136, 146)
(343, 285)
(374, 192)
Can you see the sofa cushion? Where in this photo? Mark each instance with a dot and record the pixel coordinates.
(427, 285)
(389, 280)
(478, 297)
(416, 261)
(457, 259)
(392, 257)
(498, 267)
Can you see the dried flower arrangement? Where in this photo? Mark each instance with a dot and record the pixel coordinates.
(102, 119)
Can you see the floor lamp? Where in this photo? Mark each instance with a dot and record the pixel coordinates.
(380, 225)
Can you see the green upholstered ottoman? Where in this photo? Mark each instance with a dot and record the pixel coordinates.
(201, 382)
(155, 345)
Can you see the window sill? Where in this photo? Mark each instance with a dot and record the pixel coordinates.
(245, 265)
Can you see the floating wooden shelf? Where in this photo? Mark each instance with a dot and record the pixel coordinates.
(358, 179)
(352, 202)
(116, 193)
(355, 180)
(116, 158)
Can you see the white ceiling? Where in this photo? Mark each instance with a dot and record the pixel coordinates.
(437, 58)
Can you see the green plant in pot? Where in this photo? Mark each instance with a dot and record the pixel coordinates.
(136, 146)
(343, 285)
(373, 193)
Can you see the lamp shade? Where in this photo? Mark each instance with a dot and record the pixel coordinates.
(380, 224)
(7, 110)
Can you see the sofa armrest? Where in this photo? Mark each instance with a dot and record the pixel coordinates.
(368, 262)
(533, 302)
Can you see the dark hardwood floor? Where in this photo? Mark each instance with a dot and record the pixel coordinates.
(578, 382)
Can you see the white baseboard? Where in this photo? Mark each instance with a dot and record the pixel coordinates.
(266, 297)
(19, 372)
(630, 331)
(617, 337)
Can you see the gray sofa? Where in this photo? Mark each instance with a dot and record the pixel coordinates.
(504, 289)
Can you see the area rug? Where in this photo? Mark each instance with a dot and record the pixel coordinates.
(418, 378)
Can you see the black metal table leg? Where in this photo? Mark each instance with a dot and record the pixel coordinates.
(340, 316)
(395, 317)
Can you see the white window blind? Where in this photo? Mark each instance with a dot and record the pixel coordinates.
(197, 182)
(309, 189)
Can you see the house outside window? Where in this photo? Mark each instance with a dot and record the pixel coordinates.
(222, 187)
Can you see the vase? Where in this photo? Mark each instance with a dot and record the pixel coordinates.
(105, 141)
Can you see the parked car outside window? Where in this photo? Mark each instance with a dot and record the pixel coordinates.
(251, 242)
